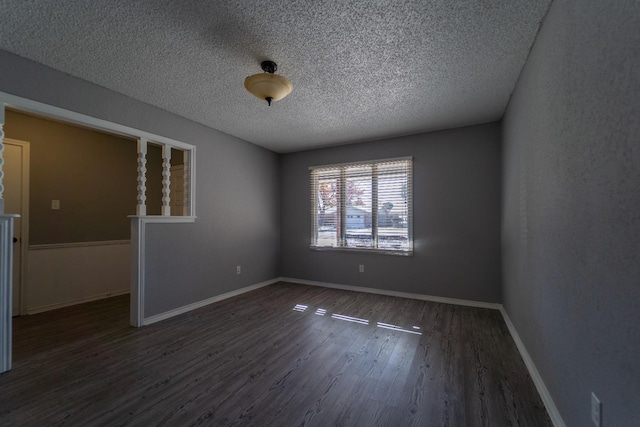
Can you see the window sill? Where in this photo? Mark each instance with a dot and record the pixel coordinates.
(362, 250)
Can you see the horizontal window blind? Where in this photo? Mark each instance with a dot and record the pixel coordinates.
(365, 205)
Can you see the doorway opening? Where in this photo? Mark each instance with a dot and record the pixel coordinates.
(81, 192)
(64, 230)
(16, 197)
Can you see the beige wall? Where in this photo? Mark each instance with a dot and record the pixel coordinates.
(93, 174)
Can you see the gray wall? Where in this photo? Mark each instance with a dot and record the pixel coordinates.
(456, 192)
(571, 208)
(237, 192)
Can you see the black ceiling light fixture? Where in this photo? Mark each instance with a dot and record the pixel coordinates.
(268, 86)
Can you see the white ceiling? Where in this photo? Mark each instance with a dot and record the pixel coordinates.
(361, 69)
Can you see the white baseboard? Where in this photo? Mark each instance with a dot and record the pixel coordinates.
(455, 301)
(552, 410)
(76, 302)
(184, 309)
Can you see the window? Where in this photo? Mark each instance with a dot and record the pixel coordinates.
(362, 206)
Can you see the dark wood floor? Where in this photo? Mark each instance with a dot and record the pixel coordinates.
(258, 360)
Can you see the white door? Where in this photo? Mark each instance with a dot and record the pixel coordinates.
(14, 156)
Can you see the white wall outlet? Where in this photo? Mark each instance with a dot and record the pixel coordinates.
(55, 204)
(238, 269)
(361, 268)
(596, 410)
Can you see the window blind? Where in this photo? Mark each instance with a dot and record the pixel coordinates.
(364, 205)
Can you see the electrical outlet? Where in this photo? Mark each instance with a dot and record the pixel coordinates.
(55, 204)
(596, 410)
(361, 268)
(238, 269)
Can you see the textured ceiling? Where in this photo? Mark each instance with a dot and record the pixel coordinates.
(361, 69)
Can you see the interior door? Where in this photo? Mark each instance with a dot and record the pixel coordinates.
(13, 182)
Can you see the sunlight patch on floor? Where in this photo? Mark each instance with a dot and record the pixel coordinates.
(415, 330)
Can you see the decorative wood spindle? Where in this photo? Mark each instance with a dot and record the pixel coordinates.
(187, 183)
(142, 178)
(166, 180)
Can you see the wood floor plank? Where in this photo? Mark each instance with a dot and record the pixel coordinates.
(283, 355)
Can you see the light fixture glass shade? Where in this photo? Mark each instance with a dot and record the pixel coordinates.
(268, 85)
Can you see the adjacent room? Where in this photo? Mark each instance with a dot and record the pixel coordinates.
(320, 213)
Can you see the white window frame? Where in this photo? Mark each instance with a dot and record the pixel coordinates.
(341, 243)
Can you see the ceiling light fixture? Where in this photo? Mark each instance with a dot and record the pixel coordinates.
(268, 86)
